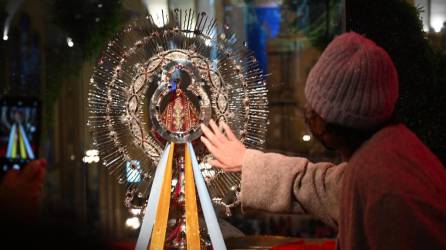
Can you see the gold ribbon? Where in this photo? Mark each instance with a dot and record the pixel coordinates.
(14, 145)
(192, 228)
(22, 145)
(162, 212)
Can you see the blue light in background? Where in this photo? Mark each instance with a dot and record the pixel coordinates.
(133, 174)
(266, 25)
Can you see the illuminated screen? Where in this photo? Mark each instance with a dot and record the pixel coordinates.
(19, 129)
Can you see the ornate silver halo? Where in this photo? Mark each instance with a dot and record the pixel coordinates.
(136, 75)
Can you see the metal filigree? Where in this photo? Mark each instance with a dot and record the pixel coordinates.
(134, 77)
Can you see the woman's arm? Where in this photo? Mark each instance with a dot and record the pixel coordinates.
(274, 182)
(277, 183)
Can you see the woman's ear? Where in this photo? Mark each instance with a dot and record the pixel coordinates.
(318, 126)
(320, 130)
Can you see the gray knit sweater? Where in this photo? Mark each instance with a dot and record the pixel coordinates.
(390, 195)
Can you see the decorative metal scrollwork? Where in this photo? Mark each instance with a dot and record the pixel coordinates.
(134, 78)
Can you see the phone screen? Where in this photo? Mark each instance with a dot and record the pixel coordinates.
(20, 125)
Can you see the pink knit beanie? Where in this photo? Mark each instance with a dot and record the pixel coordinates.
(354, 83)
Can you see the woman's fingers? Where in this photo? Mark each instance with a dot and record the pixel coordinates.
(229, 132)
(217, 131)
(221, 142)
(210, 135)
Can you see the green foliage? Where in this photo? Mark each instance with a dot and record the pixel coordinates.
(395, 26)
(325, 20)
(322, 30)
(90, 24)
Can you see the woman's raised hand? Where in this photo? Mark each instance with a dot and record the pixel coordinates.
(226, 148)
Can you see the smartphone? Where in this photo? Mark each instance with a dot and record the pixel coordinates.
(20, 119)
